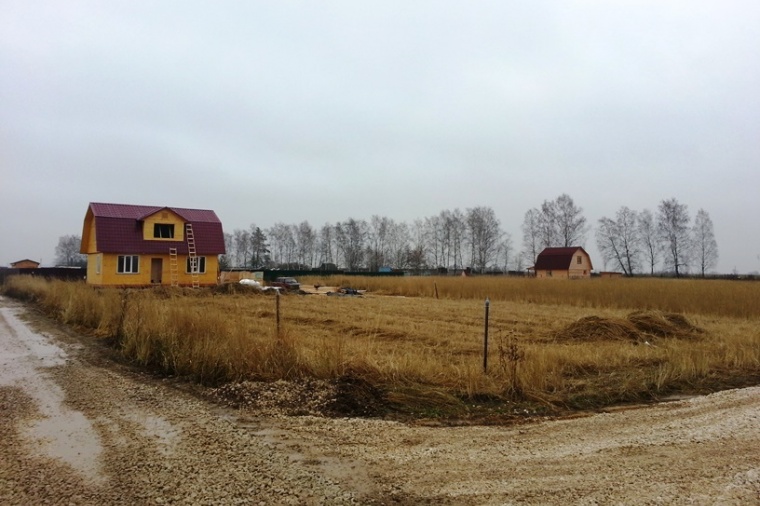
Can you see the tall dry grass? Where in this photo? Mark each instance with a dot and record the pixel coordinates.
(415, 347)
(714, 297)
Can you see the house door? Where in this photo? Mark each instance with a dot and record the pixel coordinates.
(156, 268)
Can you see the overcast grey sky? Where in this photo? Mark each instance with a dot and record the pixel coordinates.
(288, 111)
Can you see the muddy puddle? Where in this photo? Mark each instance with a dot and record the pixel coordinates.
(55, 431)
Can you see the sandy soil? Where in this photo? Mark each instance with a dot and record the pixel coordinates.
(78, 428)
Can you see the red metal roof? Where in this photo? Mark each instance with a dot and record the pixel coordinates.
(558, 259)
(118, 229)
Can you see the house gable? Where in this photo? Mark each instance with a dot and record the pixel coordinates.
(163, 225)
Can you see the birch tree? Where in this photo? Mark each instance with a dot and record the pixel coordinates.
(618, 240)
(673, 231)
(704, 243)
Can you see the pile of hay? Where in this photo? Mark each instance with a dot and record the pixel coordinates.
(640, 326)
(661, 324)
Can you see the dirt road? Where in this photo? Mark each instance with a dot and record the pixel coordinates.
(78, 428)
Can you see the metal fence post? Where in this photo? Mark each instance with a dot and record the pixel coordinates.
(485, 338)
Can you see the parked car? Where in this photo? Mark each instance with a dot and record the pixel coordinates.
(286, 283)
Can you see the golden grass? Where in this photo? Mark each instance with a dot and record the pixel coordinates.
(692, 296)
(555, 343)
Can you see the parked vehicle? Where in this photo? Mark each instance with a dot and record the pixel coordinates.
(286, 283)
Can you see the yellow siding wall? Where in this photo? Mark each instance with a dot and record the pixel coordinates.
(109, 276)
(164, 217)
(93, 277)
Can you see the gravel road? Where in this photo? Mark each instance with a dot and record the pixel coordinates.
(80, 429)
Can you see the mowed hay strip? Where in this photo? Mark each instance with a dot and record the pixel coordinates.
(595, 328)
(637, 327)
(662, 324)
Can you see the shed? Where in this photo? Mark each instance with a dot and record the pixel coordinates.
(25, 264)
(563, 263)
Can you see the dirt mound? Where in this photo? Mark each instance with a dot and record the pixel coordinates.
(640, 326)
(357, 397)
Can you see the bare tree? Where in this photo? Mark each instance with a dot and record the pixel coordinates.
(225, 261)
(618, 240)
(351, 237)
(326, 247)
(67, 252)
(241, 240)
(399, 240)
(379, 228)
(505, 252)
(673, 230)
(484, 233)
(650, 246)
(306, 239)
(547, 223)
(531, 229)
(282, 243)
(703, 240)
(417, 257)
(570, 222)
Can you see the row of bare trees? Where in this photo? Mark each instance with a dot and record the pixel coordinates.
(452, 239)
(634, 240)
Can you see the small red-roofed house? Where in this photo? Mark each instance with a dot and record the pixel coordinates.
(563, 263)
(132, 245)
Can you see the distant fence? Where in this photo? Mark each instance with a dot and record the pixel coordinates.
(63, 273)
(232, 275)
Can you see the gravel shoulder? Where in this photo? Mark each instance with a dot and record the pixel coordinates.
(81, 429)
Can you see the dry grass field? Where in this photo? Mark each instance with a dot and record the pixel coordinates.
(414, 346)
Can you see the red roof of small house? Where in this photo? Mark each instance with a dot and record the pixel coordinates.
(558, 259)
(118, 229)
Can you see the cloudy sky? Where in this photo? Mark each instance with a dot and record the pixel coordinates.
(322, 111)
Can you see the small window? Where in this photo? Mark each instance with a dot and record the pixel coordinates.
(579, 259)
(128, 264)
(98, 263)
(163, 231)
(196, 265)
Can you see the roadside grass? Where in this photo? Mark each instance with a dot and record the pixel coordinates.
(553, 346)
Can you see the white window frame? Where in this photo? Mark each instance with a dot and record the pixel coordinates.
(128, 264)
(201, 266)
(98, 263)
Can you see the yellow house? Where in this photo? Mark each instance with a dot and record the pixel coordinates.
(130, 245)
(563, 263)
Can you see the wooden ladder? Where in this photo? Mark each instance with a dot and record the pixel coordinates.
(194, 266)
(173, 267)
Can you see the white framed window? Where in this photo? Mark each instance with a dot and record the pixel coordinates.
(128, 264)
(98, 263)
(196, 265)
